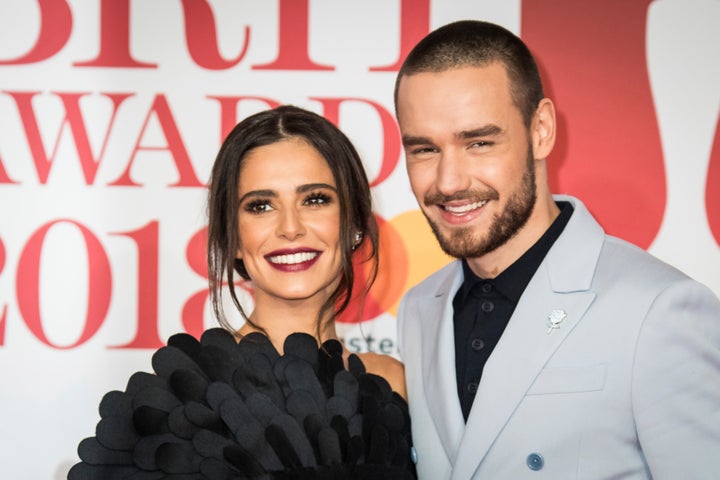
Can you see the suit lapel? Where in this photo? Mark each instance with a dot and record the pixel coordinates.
(522, 352)
(562, 284)
(439, 363)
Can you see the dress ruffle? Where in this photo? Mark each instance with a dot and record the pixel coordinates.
(217, 409)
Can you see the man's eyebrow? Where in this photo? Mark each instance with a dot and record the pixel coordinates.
(484, 131)
(411, 140)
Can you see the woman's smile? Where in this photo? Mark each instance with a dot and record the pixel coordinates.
(293, 260)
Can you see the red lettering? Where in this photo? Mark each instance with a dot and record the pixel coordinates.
(391, 132)
(228, 111)
(3, 316)
(192, 311)
(146, 239)
(28, 284)
(201, 36)
(175, 146)
(712, 187)
(414, 25)
(115, 38)
(55, 29)
(4, 178)
(74, 119)
(293, 39)
(591, 86)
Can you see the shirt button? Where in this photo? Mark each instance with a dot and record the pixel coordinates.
(486, 287)
(477, 344)
(487, 306)
(535, 461)
(472, 387)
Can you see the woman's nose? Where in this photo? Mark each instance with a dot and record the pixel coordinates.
(290, 225)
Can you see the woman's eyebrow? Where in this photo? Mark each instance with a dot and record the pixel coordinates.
(259, 193)
(308, 187)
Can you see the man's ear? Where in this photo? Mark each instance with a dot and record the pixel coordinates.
(542, 129)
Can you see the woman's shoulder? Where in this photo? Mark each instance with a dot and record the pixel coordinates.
(390, 368)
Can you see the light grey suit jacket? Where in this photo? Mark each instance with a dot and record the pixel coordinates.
(627, 386)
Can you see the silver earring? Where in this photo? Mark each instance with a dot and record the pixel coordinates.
(358, 240)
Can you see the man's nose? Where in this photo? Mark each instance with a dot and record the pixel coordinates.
(452, 174)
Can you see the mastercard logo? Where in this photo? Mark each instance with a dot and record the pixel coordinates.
(408, 253)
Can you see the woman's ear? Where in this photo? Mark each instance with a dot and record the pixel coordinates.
(542, 129)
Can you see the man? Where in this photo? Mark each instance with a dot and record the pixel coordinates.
(605, 361)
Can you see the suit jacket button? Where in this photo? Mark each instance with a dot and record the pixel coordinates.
(413, 455)
(535, 461)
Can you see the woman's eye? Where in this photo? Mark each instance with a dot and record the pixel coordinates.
(258, 206)
(317, 199)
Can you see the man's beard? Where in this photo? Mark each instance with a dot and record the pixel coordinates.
(463, 242)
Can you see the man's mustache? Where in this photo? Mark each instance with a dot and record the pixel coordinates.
(473, 195)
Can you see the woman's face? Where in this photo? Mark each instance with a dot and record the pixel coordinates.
(289, 223)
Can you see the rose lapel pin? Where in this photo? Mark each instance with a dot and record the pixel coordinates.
(554, 319)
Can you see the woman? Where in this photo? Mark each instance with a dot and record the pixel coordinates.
(289, 206)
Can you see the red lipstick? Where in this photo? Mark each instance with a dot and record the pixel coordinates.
(292, 259)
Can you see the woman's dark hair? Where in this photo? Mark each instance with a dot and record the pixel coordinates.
(356, 216)
(473, 43)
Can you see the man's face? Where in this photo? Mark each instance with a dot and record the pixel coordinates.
(468, 156)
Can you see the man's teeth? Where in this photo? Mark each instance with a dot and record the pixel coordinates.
(293, 258)
(460, 209)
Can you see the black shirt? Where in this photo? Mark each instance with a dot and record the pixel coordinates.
(483, 307)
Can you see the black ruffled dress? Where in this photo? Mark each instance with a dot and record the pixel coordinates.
(217, 409)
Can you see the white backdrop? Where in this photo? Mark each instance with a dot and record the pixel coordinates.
(111, 112)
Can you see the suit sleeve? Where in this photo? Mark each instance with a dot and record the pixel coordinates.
(676, 383)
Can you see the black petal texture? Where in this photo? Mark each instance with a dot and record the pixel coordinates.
(217, 409)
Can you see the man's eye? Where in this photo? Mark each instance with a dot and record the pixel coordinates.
(421, 150)
(481, 143)
(258, 206)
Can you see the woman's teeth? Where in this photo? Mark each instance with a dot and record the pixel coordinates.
(293, 258)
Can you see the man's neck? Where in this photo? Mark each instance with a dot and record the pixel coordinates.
(494, 263)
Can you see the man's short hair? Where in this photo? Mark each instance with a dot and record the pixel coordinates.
(472, 43)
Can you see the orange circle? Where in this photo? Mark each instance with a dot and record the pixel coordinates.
(424, 255)
(409, 252)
